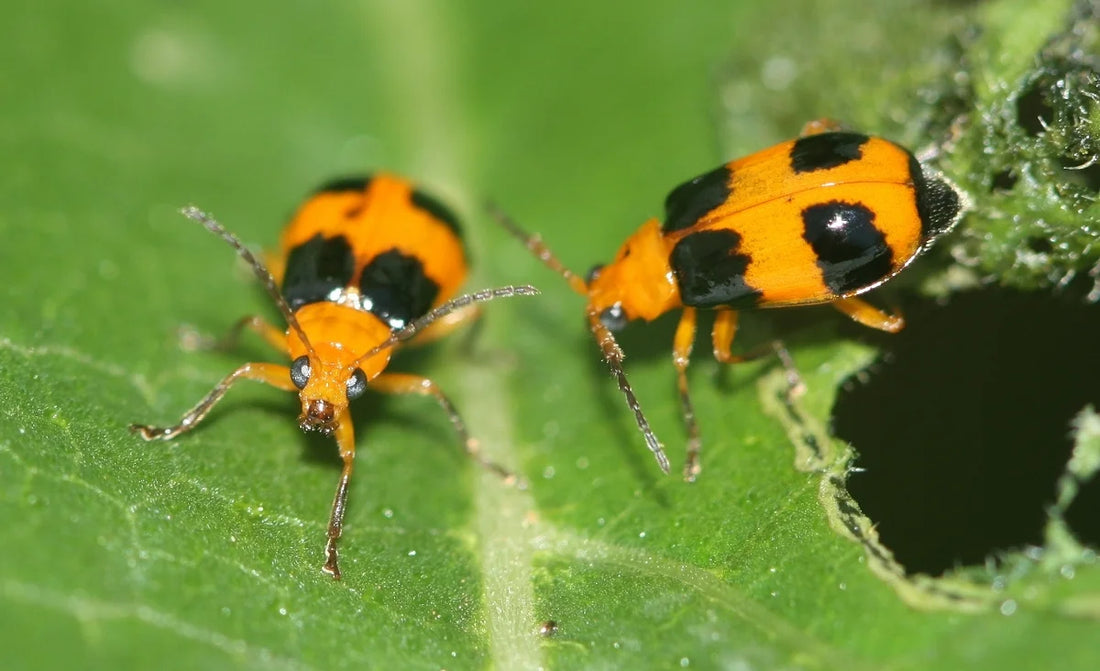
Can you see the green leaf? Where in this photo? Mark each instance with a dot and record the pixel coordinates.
(576, 117)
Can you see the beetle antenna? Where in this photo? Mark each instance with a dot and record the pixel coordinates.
(613, 355)
(417, 325)
(258, 268)
(537, 247)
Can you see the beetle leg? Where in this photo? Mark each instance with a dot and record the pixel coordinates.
(404, 383)
(868, 315)
(345, 442)
(272, 335)
(191, 340)
(725, 328)
(681, 354)
(269, 373)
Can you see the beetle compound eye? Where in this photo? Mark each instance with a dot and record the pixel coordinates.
(593, 273)
(614, 318)
(357, 384)
(299, 372)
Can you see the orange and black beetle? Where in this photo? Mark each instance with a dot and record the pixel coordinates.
(365, 264)
(820, 219)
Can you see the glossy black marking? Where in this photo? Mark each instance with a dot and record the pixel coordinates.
(711, 273)
(851, 252)
(395, 288)
(938, 204)
(691, 201)
(316, 267)
(438, 210)
(826, 150)
(342, 184)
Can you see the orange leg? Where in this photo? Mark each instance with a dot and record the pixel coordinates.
(192, 340)
(272, 335)
(403, 383)
(868, 315)
(725, 328)
(345, 442)
(681, 354)
(818, 126)
(269, 373)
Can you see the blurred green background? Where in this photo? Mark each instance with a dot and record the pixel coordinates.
(577, 117)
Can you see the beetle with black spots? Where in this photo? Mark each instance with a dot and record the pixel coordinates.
(820, 219)
(366, 264)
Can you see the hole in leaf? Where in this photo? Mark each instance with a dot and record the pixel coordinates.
(1040, 245)
(1033, 112)
(1004, 181)
(965, 428)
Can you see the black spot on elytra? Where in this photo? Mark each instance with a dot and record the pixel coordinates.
(350, 184)
(826, 150)
(395, 288)
(691, 201)
(343, 184)
(710, 272)
(316, 267)
(938, 203)
(851, 252)
(437, 209)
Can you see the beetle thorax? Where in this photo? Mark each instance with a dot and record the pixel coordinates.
(639, 280)
(340, 335)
